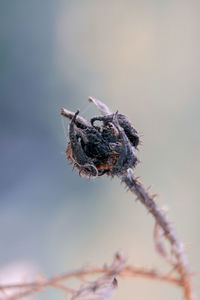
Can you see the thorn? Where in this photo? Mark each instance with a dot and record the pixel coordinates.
(115, 284)
(137, 180)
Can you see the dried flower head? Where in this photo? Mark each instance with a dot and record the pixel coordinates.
(108, 148)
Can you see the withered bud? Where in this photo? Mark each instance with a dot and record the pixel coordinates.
(108, 148)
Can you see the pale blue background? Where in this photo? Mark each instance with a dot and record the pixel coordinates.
(143, 59)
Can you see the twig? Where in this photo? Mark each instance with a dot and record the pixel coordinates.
(128, 271)
(123, 271)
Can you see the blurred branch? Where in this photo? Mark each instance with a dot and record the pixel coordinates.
(117, 268)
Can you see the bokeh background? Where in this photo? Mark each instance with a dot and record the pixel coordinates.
(141, 58)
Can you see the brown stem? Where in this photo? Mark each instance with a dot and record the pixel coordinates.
(177, 247)
(122, 270)
(126, 272)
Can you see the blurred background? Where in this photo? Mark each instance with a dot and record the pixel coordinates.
(139, 57)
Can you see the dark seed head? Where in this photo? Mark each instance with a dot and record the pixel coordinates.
(107, 149)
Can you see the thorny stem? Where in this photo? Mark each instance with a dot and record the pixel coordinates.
(182, 264)
(177, 247)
